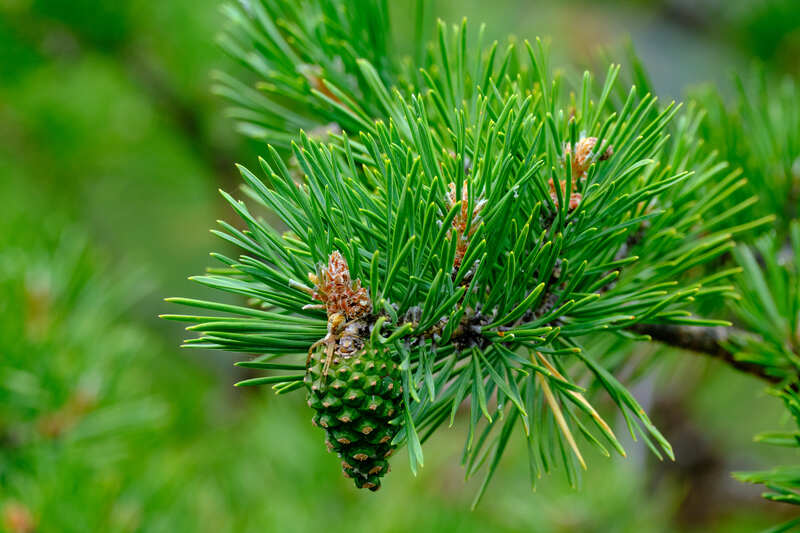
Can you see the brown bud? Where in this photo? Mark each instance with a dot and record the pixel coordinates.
(462, 219)
(340, 294)
(583, 157)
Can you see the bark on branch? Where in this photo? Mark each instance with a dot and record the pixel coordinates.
(706, 341)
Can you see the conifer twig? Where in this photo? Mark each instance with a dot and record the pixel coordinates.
(710, 341)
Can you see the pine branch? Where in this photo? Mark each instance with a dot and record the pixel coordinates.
(477, 225)
(711, 341)
(766, 343)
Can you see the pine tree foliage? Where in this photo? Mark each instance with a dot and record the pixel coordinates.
(306, 59)
(74, 408)
(762, 134)
(770, 306)
(497, 219)
(43, 404)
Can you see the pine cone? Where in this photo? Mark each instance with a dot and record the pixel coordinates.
(356, 404)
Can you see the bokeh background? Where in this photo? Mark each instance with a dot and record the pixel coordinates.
(112, 148)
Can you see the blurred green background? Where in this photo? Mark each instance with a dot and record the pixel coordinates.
(112, 148)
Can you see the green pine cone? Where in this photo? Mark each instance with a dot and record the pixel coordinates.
(357, 403)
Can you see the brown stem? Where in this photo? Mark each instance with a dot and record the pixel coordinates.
(706, 341)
